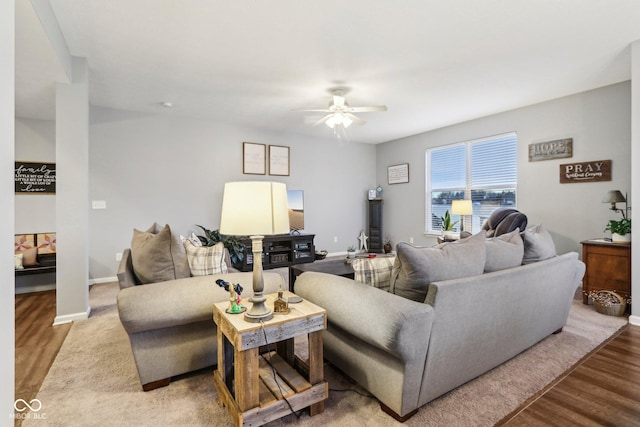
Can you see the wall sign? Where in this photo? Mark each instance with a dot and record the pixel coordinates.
(398, 174)
(35, 178)
(558, 149)
(595, 171)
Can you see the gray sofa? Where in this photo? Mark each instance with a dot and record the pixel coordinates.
(170, 323)
(409, 352)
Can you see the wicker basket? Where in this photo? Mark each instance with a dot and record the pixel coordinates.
(610, 309)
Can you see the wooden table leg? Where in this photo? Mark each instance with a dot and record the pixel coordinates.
(247, 381)
(316, 368)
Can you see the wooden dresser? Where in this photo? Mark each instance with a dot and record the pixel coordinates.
(608, 267)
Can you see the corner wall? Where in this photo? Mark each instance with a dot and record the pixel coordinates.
(597, 120)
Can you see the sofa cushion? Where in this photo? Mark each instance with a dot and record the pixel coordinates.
(205, 260)
(151, 256)
(178, 252)
(192, 238)
(374, 271)
(416, 267)
(30, 257)
(17, 261)
(504, 251)
(538, 244)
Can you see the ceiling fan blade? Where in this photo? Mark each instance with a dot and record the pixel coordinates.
(367, 109)
(319, 110)
(322, 120)
(357, 120)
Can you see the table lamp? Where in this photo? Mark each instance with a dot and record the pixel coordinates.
(462, 208)
(255, 209)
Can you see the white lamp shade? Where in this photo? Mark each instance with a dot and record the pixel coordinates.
(461, 207)
(254, 208)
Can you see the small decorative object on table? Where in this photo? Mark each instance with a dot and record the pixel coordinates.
(609, 302)
(351, 252)
(321, 255)
(386, 245)
(234, 296)
(447, 226)
(280, 305)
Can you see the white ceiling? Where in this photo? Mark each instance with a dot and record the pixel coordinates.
(433, 63)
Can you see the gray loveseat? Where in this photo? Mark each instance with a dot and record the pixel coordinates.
(170, 323)
(409, 352)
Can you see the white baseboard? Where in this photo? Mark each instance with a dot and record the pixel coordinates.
(634, 320)
(60, 320)
(102, 280)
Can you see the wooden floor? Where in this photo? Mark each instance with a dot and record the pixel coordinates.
(602, 389)
(37, 341)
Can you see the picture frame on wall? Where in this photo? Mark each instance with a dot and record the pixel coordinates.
(279, 163)
(398, 174)
(254, 161)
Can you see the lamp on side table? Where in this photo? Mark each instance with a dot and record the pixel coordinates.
(255, 209)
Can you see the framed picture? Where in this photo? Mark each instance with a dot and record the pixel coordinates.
(398, 174)
(254, 158)
(278, 160)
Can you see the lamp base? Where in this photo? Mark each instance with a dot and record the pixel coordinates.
(258, 312)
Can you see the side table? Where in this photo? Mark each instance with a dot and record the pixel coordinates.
(608, 267)
(245, 380)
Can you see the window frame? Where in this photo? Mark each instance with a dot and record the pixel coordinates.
(430, 227)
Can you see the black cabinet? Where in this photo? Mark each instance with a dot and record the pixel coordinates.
(280, 250)
(374, 224)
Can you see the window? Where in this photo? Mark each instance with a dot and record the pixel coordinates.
(483, 170)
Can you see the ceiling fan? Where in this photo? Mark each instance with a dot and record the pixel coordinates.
(339, 113)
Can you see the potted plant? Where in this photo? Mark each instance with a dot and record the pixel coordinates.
(386, 245)
(351, 252)
(447, 225)
(620, 230)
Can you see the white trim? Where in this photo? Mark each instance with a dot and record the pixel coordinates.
(103, 280)
(60, 320)
(634, 320)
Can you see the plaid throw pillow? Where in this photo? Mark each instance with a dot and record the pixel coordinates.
(205, 260)
(374, 271)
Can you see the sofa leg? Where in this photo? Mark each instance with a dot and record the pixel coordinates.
(397, 417)
(558, 331)
(156, 384)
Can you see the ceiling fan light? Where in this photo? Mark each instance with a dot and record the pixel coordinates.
(331, 121)
(346, 121)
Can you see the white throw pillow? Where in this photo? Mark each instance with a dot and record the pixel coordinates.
(192, 238)
(17, 259)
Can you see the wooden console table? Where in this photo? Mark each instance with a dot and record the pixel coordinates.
(608, 267)
(244, 378)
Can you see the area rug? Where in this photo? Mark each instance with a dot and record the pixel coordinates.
(93, 381)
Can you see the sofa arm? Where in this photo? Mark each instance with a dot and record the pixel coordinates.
(126, 277)
(387, 321)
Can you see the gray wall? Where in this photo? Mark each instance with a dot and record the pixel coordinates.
(172, 170)
(599, 123)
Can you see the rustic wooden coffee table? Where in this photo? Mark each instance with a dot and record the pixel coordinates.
(244, 378)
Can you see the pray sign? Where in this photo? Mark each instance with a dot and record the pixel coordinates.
(599, 170)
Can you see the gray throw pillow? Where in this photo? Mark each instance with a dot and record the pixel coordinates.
(538, 244)
(178, 252)
(416, 267)
(151, 256)
(504, 251)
